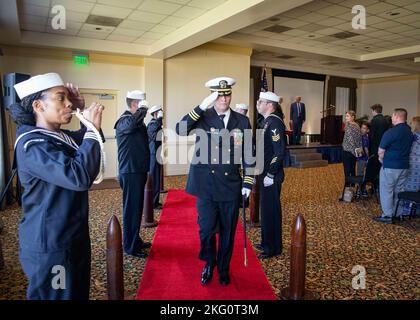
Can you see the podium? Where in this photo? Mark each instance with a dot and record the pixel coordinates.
(331, 130)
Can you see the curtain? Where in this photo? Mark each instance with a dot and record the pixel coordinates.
(341, 100)
(340, 82)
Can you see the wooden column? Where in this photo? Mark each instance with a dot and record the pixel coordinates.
(296, 289)
(162, 180)
(114, 260)
(148, 219)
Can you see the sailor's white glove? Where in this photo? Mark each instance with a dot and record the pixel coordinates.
(160, 114)
(246, 192)
(208, 101)
(268, 181)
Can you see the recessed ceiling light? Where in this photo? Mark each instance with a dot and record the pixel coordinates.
(367, 47)
(98, 28)
(392, 13)
(311, 36)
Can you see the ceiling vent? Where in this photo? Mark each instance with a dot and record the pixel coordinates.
(344, 35)
(277, 29)
(103, 21)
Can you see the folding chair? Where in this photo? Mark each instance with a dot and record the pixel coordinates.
(358, 181)
(411, 197)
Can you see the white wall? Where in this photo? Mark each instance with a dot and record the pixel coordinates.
(391, 93)
(101, 76)
(121, 78)
(312, 93)
(185, 76)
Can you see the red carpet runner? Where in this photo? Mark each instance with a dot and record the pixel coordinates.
(173, 270)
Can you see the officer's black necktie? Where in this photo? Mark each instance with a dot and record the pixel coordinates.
(222, 116)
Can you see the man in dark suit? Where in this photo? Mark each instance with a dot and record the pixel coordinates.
(378, 126)
(297, 118)
(214, 176)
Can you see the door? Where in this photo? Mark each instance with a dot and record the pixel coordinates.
(109, 116)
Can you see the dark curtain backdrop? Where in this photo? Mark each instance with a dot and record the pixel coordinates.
(256, 78)
(335, 82)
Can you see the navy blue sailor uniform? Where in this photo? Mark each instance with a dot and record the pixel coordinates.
(153, 128)
(274, 153)
(133, 162)
(56, 171)
(214, 178)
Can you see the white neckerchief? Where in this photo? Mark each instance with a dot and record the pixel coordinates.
(90, 126)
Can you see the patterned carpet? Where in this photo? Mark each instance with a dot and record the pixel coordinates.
(339, 236)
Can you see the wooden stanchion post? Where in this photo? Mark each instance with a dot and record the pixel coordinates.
(114, 260)
(162, 180)
(1, 256)
(148, 219)
(296, 289)
(254, 206)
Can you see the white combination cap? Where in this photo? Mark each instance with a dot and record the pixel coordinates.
(271, 96)
(136, 95)
(154, 109)
(223, 85)
(242, 106)
(38, 83)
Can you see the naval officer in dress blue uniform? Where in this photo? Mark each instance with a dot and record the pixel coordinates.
(214, 176)
(154, 128)
(272, 176)
(133, 162)
(56, 169)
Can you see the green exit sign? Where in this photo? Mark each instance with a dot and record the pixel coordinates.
(80, 59)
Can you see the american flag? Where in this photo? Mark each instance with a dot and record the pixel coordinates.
(264, 85)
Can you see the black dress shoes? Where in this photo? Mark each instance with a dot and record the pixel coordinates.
(264, 255)
(145, 245)
(224, 279)
(383, 219)
(207, 274)
(259, 247)
(139, 254)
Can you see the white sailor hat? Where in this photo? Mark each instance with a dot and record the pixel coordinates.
(242, 106)
(271, 96)
(223, 85)
(154, 109)
(144, 103)
(37, 84)
(136, 95)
